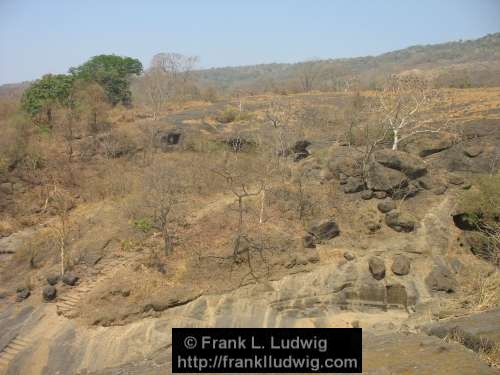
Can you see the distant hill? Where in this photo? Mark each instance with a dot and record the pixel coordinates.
(469, 63)
(13, 90)
(456, 64)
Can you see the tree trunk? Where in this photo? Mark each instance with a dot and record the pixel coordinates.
(395, 141)
(262, 201)
(49, 116)
(62, 260)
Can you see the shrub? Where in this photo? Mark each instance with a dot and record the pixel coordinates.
(143, 224)
(481, 206)
(230, 114)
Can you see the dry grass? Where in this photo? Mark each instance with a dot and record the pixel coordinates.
(487, 350)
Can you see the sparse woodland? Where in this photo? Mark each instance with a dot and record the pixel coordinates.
(209, 186)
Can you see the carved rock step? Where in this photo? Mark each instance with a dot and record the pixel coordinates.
(12, 349)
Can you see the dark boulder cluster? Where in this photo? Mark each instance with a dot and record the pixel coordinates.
(322, 231)
(22, 293)
(394, 173)
(400, 266)
(167, 140)
(478, 147)
(298, 151)
(387, 173)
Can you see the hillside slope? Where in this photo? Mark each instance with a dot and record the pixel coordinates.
(460, 63)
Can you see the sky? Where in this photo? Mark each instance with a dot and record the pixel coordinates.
(50, 36)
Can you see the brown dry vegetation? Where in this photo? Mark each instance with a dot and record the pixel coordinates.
(112, 170)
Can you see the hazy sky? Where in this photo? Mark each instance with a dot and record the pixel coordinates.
(49, 36)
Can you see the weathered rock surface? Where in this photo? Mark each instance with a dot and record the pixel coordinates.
(300, 151)
(481, 144)
(52, 279)
(377, 268)
(367, 195)
(479, 332)
(400, 222)
(386, 179)
(22, 294)
(325, 230)
(353, 185)
(401, 265)
(411, 166)
(69, 279)
(428, 144)
(344, 165)
(49, 293)
(386, 206)
(440, 279)
(308, 241)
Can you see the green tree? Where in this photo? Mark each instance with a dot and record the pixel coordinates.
(45, 94)
(112, 72)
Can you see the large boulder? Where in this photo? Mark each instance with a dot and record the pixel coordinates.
(22, 293)
(70, 279)
(325, 230)
(353, 185)
(480, 145)
(386, 206)
(52, 279)
(346, 165)
(428, 143)
(300, 151)
(309, 241)
(165, 140)
(385, 179)
(407, 191)
(401, 265)
(440, 279)
(410, 165)
(400, 222)
(49, 293)
(377, 267)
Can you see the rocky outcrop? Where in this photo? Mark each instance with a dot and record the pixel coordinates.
(385, 179)
(345, 165)
(479, 332)
(393, 172)
(427, 144)
(411, 166)
(479, 146)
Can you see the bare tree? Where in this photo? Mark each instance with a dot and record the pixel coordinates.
(401, 101)
(61, 203)
(241, 191)
(279, 113)
(163, 194)
(308, 72)
(168, 77)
